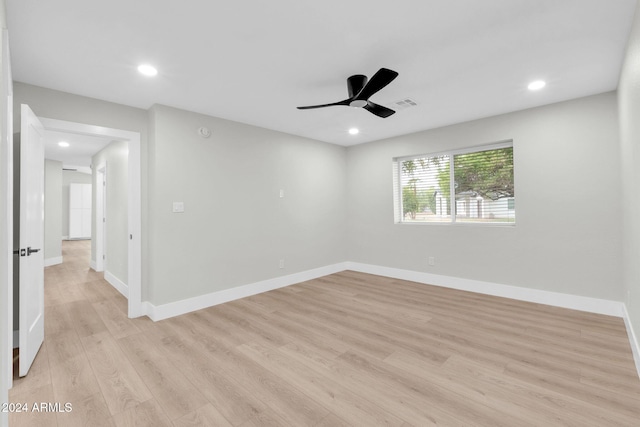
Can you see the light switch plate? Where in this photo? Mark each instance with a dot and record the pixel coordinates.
(178, 207)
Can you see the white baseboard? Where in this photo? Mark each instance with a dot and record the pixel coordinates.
(556, 299)
(93, 265)
(65, 237)
(120, 286)
(52, 261)
(164, 311)
(633, 340)
(574, 302)
(16, 339)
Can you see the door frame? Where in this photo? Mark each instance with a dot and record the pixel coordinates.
(6, 226)
(100, 215)
(134, 204)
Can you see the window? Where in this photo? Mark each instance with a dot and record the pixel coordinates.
(480, 180)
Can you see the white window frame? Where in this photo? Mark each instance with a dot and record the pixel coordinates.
(397, 184)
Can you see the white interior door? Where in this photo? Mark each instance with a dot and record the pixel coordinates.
(31, 238)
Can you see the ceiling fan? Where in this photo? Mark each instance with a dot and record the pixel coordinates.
(360, 90)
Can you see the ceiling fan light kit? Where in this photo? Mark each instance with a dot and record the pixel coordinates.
(360, 90)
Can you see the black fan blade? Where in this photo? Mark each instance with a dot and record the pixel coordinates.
(308, 107)
(355, 84)
(378, 110)
(383, 77)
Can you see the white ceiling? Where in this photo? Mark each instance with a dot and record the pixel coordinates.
(255, 61)
(79, 152)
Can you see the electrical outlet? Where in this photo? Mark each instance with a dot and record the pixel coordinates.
(432, 260)
(281, 263)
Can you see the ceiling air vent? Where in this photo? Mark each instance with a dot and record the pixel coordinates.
(404, 104)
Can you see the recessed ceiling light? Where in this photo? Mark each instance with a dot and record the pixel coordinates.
(354, 131)
(537, 85)
(148, 70)
(63, 144)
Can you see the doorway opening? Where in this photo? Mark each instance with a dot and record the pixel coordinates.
(134, 244)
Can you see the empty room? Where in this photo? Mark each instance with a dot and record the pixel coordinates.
(320, 214)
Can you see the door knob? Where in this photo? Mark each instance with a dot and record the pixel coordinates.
(31, 251)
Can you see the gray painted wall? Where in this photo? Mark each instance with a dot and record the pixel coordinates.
(53, 206)
(116, 157)
(338, 202)
(629, 105)
(235, 227)
(567, 236)
(69, 177)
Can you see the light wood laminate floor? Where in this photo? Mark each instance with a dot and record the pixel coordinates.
(349, 349)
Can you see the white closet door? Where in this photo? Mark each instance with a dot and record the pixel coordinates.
(86, 196)
(75, 223)
(79, 211)
(75, 196)
(86, 223)
(86, 210)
